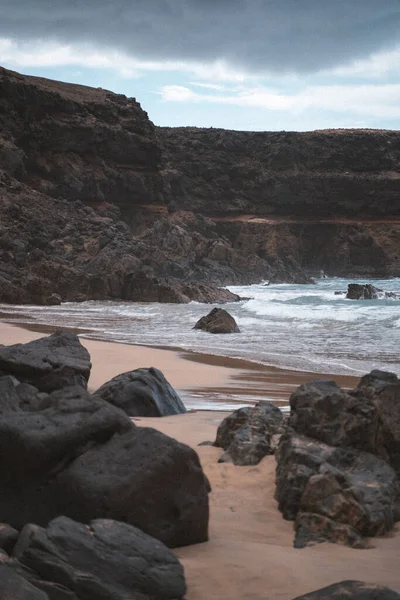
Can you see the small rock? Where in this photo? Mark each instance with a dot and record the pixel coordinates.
(217, 321)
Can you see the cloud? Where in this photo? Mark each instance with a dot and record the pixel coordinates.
(22, 55)
(256, 36)
(371, 101)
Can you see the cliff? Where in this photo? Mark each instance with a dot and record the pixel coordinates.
(96, 202)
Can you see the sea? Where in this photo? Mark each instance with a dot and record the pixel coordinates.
(298, 327)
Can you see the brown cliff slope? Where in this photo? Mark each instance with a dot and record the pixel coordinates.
(96, 202)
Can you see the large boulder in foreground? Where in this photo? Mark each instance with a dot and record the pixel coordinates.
(144, 478)
(142, 393)
(105, 559)
(334, 494)
(70, 453)
(49, 363)
(247, 434)
(217, 321)
(354, 590)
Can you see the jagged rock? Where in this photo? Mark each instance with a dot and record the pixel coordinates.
(217, 321)
(297, 277)
(49, 363)
(8, 537)
(247, 434)
(366, 418)
(383, 389)
(15, 587)
(356, 590)
(357, 291)
(105, 559)
(142, 393)
(334, 494)
(143, 478)
(323, 411)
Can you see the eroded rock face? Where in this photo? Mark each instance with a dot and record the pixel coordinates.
(104, 559)
(217, 321)
(247, 434)
(142, 393)
(356, 590)
(334, 494)
(48, 363)
(337, 463)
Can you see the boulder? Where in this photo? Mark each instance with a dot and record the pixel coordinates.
(49, 363)
(323, 411)
(246, 435)
(104, 559)
(70, 453)
(15, 587)
(142, 393)
(8, 537)
(366, 418)
(143, 478)
(217, 321)
(356, 590)
(358, 291)
(334, 494)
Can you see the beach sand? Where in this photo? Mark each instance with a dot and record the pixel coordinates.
(250, 554)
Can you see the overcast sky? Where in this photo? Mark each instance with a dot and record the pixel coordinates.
(238, 64)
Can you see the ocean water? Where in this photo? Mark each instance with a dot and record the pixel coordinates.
(300, 327)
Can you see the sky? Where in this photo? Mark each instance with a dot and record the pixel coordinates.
(236, 64)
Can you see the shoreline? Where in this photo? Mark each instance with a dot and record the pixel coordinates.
(204, 381)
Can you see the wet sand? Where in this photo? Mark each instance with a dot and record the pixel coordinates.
(250, 554)
(204, 380)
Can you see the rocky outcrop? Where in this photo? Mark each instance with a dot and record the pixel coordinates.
(70, 453)
(217, 321)
(366, 291)
(92, 196)
(104, 559)
(49, 363)
(357, 291)
(337, 463)
(247, 435)
(356, 590)
(142, 393)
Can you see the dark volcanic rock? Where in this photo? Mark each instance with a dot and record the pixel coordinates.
(323, 411)
(143, 478)
(356, 291)
(40, 435)
(356, 590)
(8, 537)
(246, 435)
(217, 321)
(70, 453)
(334, 494)
(142, 393)
(48, 363)
(105, 559)
(15, 587)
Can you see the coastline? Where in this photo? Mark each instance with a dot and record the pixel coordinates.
(205, 381)
(250, 552)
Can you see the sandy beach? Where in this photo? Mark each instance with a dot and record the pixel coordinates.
(250, 554)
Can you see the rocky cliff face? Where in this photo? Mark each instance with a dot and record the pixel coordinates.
(95, 202)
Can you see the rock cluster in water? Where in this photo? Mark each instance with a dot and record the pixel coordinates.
(89, 501)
